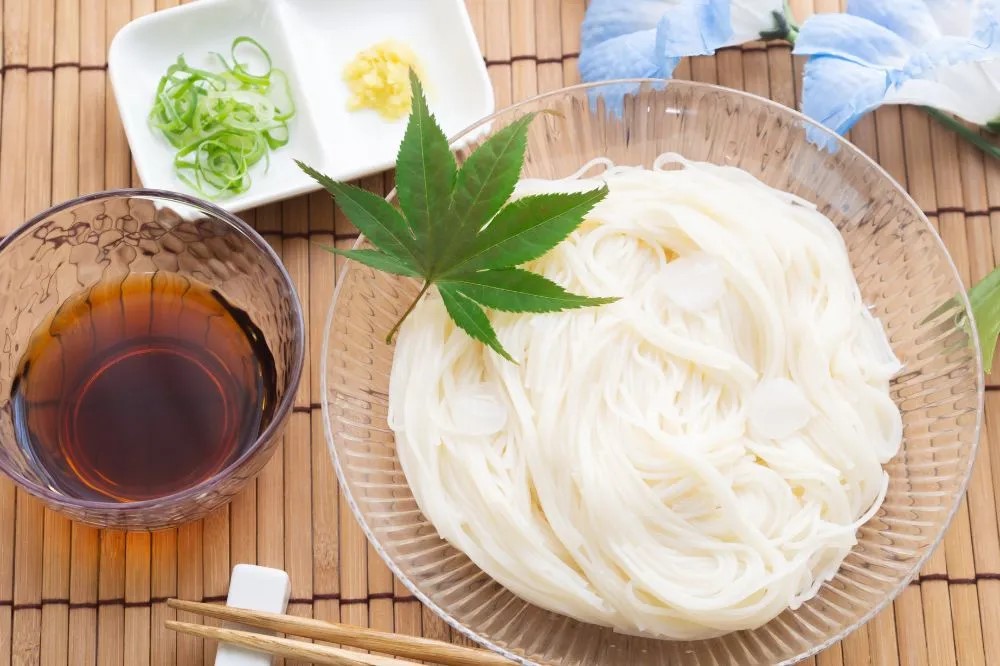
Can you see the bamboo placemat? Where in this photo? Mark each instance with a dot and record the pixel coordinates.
(70, 594)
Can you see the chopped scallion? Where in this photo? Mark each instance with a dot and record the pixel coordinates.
(222, 123)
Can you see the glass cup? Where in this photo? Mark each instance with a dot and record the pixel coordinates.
(61, 256)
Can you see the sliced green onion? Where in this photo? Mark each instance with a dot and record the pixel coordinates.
(223, 123)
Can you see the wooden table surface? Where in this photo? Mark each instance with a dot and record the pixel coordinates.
(70, 594)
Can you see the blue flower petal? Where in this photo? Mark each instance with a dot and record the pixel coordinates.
(694, 28)
(836, 92)
(910, 19)
(854, 39)
(626, 57)
(944, 52)
(986, 25)
(889, 49)
(607, 19)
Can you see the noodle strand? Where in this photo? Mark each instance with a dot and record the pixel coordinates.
(690, 460)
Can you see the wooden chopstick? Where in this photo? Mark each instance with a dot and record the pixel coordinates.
(411, 647)
(285, 647)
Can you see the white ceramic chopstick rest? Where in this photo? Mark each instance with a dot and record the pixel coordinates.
(254, 588)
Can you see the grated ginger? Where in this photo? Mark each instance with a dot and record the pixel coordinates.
(378, 78)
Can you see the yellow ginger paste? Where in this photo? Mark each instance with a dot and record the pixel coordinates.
(378, 79)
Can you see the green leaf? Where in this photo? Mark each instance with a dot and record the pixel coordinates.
(378, 260)
(425, 175)
(455, 231)
(375, 217)
(518, 290)
(471, 319)
(985, 299)
(528, 228)
(487, 179)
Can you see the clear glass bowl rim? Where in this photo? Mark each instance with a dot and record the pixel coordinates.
(841, 144)
(295, 370)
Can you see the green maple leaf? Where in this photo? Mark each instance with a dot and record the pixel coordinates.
(455, 229)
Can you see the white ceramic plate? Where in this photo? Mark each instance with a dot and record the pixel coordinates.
(312, 40)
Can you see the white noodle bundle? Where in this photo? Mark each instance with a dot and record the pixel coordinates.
(690, 460)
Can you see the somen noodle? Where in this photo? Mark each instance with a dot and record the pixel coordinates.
(690, 460)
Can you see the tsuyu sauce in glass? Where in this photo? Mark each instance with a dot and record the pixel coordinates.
(139, 388)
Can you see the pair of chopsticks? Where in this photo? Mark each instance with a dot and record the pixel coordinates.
(411, 647)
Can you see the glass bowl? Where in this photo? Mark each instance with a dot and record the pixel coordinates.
(90, 247)
(905, 274)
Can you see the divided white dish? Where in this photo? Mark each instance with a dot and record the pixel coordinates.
(312, 40)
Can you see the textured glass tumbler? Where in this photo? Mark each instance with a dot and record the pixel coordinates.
(905, 276)
(109, 237)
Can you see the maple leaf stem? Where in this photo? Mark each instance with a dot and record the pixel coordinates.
(395, 329)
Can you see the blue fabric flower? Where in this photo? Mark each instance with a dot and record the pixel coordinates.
(647, 38)
(939, 53)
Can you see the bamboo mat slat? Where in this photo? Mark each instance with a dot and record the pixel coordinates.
(70, 594)
(11, 113)
(137, 591)
(989, 607)
(163, 585)
(83, 594)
